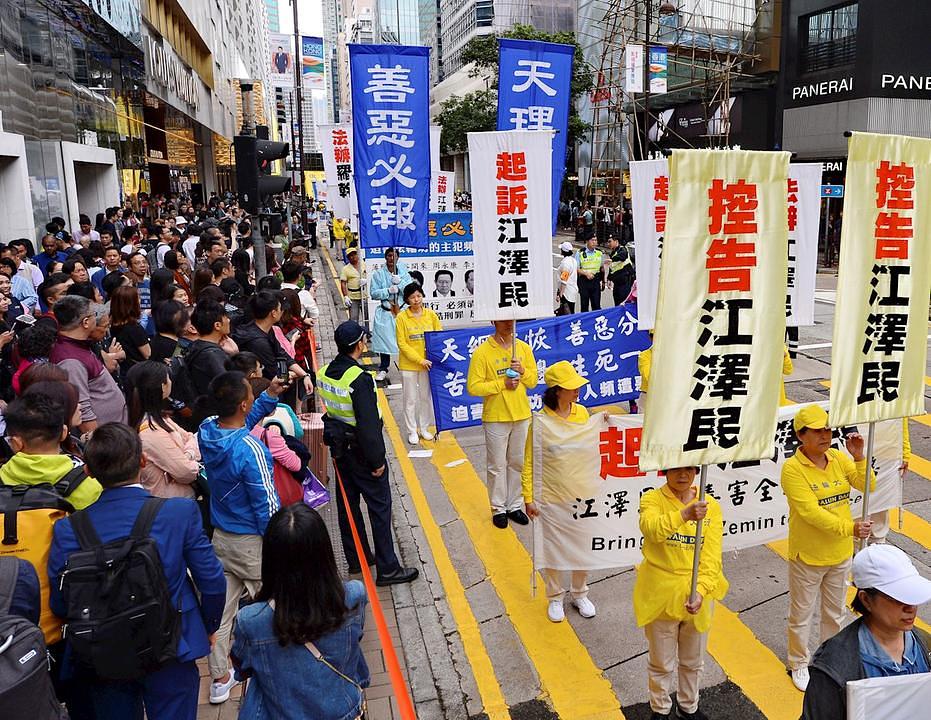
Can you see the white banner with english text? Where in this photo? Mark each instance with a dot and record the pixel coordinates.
(589, 498)
(511, 224)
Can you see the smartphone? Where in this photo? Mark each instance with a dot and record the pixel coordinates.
(283, 373)
(22, 322)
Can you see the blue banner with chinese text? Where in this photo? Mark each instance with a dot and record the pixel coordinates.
(602, 345)
(534, 81)
(390, 86)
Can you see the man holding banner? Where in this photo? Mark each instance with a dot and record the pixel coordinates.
(501, 371)
(817, 482)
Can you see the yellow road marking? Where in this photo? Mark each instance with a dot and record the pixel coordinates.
(489, 688)
(752, 666)
(568, 675)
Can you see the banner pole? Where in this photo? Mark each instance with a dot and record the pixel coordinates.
(870, 437)
(901, 498)
(702, 478)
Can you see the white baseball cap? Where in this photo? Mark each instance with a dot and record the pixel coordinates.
(565, 247)
(180, 220)
(888, 569)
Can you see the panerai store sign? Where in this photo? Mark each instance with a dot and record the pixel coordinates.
(167, 71)
(822, 89)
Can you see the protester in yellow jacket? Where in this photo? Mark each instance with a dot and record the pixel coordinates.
(880, 519)
(786, 371)
(677, 627)
(817, 481)
(644, 365)
(411, 324)
(502, 381)
(559, 401)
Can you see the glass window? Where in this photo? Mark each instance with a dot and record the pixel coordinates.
(828, 38)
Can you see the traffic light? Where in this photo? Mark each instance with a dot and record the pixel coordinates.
(253, 167)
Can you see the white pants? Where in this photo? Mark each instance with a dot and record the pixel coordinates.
(504, 455)
(806, 583)
(418, 405)
(675, 647)
(554, 587)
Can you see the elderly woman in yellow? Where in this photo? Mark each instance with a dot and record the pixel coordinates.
(559, 401)
(676, 626)
(410, 325)
(816, 481)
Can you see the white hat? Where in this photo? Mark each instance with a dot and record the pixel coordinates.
(180, 220)
(566, 246)
(888, 569)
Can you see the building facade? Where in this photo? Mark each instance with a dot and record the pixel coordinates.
(398, 22)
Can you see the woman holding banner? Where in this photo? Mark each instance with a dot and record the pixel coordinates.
(559, 402)
(676, 626)
(411, 324)
(817, 481)
(883, 642)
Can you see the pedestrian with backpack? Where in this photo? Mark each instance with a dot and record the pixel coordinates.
(140, 588)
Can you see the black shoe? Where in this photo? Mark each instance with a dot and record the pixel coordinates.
(356, 570)
(661, 716)
(697, 715)
(399, 576)
(500, 520)
(519, 516)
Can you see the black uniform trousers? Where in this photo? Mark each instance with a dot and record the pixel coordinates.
(590, 293)
(377, 494)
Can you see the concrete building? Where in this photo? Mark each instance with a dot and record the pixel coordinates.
(462, 20)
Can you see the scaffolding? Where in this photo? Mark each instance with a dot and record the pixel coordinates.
(715, 49)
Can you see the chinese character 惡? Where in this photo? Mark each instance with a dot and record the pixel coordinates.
(391, 126)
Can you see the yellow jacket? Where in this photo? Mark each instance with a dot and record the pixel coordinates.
(644, 363)
(664, 578)
(410, 331)
(820, 523)
(339, 229)
(786, 370)
(577, 415)
(486, 380)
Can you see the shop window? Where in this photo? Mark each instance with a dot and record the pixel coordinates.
(828, 39)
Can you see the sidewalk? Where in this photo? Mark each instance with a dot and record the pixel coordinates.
(380, 694)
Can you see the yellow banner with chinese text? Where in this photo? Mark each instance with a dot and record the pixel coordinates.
(720, 320)
(880, 319)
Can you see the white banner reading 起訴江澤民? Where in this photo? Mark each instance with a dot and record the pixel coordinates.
(587, 486)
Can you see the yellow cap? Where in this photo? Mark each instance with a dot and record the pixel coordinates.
(811, 416)
(563, 375)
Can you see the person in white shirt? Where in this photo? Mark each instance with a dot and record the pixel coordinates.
(290, 273)
(85, 235)
(567, 291)
(19, 250)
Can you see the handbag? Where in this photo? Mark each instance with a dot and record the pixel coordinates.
(315, 492)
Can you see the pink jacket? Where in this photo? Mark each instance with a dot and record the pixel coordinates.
(277, 447)
(172, 460)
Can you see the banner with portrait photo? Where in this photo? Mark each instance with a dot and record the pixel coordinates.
(881, 317)
(281, 54)
(720, 315)
(591, 518)
(444, 269)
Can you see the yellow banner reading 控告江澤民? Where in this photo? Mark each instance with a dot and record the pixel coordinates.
(720, 318)
(880, 319)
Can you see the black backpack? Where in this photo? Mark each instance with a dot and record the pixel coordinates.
(120, 620)
(26, 691)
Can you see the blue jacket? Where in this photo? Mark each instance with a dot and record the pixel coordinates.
(239, 472)
(182, 545)
(289, 683)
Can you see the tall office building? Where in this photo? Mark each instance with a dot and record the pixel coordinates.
(430, 36)
(274, 19)
(398, 22)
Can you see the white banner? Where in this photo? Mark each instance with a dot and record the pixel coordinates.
(591, 521)
(442, 196)
(902, 696)
(336, 146)
(804, 200)
(281, 57)
(511, 189)
(436, 132)
(649, 182)
(633, 68)
(720, 314)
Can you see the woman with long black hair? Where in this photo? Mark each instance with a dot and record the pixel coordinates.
(299, 640)
(172, 454)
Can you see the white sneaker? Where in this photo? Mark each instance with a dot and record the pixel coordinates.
(413, 439)
(220, 691)
(585, 607)
(381, 375)
(800, 678)
(555, 611)
(426, 434)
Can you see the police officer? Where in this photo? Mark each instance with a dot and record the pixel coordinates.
(591, 275)
(620, 271)
(352, 428)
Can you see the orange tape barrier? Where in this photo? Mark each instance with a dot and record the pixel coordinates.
(401, 692)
